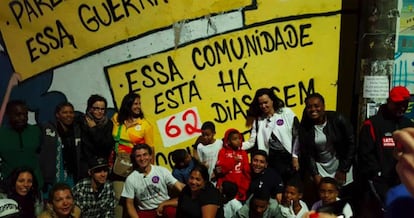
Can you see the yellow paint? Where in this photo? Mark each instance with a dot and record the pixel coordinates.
(23, 29)
(318, 60)
(268, 10)
(316, 22)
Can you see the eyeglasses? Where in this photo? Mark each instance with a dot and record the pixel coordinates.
(98, 108)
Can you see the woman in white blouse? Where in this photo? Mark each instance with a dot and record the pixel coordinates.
(274, 129)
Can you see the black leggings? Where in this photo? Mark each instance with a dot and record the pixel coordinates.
(281, 162)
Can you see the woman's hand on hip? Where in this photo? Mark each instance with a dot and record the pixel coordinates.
(295, 163)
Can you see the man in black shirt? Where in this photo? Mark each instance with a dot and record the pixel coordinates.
(264, 177)
(376, 151)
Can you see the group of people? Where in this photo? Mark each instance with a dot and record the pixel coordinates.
(71, 167)
(69, 158)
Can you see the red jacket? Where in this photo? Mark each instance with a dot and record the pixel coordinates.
(234, 166)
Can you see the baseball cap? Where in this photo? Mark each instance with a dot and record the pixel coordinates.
(97, 162)
(399, 93)
(8, 207)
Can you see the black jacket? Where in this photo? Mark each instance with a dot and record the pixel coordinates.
(376, 152)
(96, 141)
(71, 150)
(340, 135)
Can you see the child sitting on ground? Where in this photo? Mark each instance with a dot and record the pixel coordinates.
(330, 203)
(292, 205)
(231, 204)
(259, 205)
(183, 164)
(233, 164)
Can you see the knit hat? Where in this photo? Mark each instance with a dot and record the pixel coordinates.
(8, 207)
(97, 162)
(399, 93)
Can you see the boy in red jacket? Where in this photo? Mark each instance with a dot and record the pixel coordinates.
(233, 164)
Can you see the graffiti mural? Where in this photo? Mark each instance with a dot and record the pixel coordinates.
(190, 62)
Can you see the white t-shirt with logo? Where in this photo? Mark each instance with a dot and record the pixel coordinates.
(150, 190)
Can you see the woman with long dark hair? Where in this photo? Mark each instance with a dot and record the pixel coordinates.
(134, 128)
(274, 130)
(22, 186)
(130, 128)
(200, 198)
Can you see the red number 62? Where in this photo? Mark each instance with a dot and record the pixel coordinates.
(173, 130)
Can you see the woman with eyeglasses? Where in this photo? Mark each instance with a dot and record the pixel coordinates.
(97, 140)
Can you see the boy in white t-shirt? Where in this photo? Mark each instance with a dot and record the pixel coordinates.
(208, 147)
(330, 203)
(292, 205)
(230, 204)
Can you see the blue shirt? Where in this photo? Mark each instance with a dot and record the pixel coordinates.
(399, 202)
(183, 174)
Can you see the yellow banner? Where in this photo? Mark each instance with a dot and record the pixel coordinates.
(41, 35)
(290, 9)
(215, 79)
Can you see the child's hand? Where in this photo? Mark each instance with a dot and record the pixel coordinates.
(218, 169)
(237, 158)
(285, 202)
(317, 179)
(213, 176)
(295, 163)
(199, 140)
(205, 164)
(340, 177)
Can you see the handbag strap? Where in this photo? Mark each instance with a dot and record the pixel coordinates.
(118, 136)
(257, 127)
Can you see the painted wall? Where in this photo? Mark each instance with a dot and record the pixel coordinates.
(191, 61)
(403, 72)
(404, 58)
